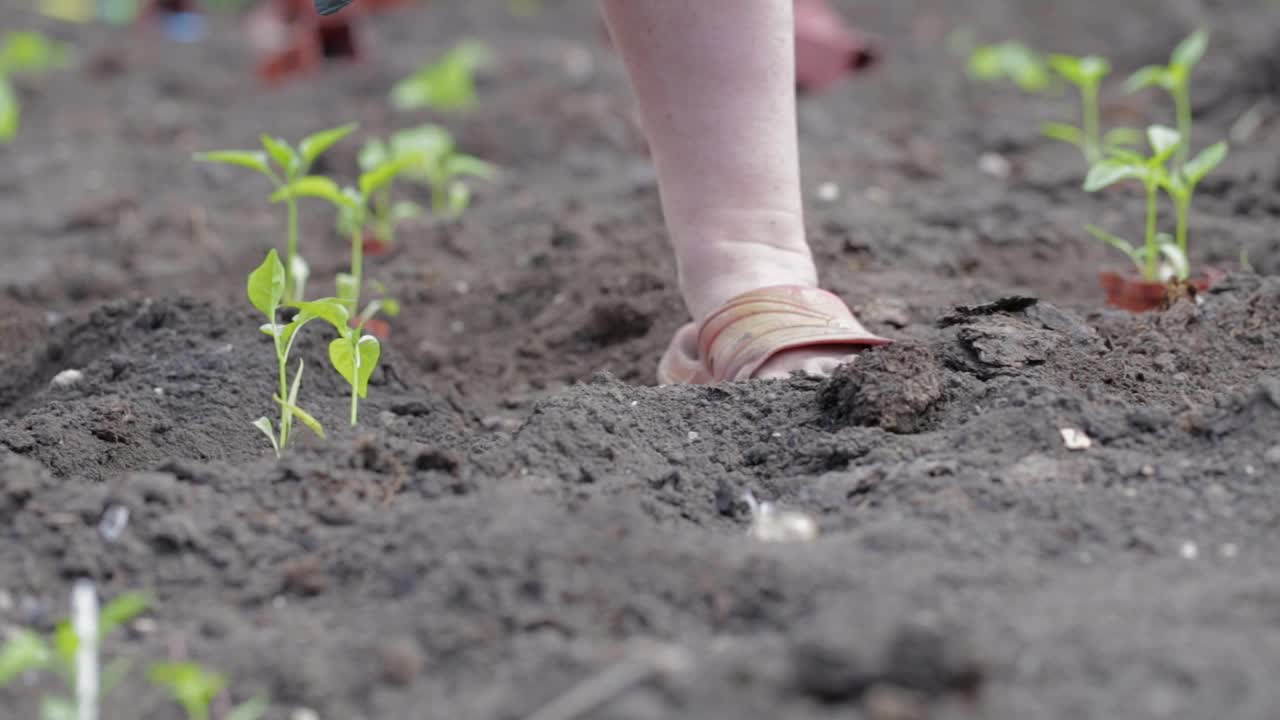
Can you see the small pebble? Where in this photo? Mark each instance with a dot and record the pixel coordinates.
(1272, 456)
(304, 713)
(828, 192)
(994, 165)
(402, 661)
(1075, 439)
(144, 626)
(1189, 550)
(887, 702)
(113, 522)
(67, 378)
(693, 436)
(1148, 471)
(1229, 550)
(457, 327)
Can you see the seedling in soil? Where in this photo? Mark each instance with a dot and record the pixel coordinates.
(194, 688)
(1175, 78)
(291, 164)
(1011, 61)
(1153, 174)
(24, 53)
(428, 155)
(446, 84)
(353, 354)
(266, 289)
(1181, 185)
(60, 653)
(1086, 74)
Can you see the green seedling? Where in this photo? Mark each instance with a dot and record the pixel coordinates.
(24, 53)
(1011, 61)
(291, 164)
(29, 652)
(1181, 185)
(194, 688)
(428, 156)
(1152, 173)
(446, 84)
(353, 354)
(1086, 74)
(1175, 79)
(266, 290)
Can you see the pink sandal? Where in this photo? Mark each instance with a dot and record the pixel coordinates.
(736, 340)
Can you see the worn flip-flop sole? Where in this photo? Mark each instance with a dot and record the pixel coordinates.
(736, 340)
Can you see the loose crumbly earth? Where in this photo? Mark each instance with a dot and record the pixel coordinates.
(522, 510)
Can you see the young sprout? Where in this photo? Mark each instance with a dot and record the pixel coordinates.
(353, 354)
(446, 84)
(194, 688)
(266, 290)
(428, 155)
(1152, 173)
(28, 652)
(1181, 184)
(291, 164)
(24, 52)
(1175, 78)
(1012, 61)
(1086, 73)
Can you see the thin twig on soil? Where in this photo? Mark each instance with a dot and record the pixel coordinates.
(614, 680)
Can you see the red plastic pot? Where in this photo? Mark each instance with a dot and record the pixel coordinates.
(292, 39)
(373, 245)
(1128, 291)
(827, 49)
(376, 327)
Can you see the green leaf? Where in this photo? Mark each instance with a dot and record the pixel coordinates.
(1117, 137)
(1164, 141)
(357, 364)
(192, 686)
(313, 146)
(65, 644)
(9, 110)
(348, 287)
(120, 611)
(374, 153)
(1080, 71)
(391, 307)
(285, 157)
(252, 709)
(1150, 76)
(404, 210)
(460, 165)
(57, 708)
(1204, 163)
(266, 285)
(448, 84)
(31, 52)
(23, 653)
(306, 417)
(1061, 131)
(457, 200)
(252, 159)
(1190, 50)
(1118, 243)
(1109, 172)
(331, 310)
(317, 186)
(264, 424)
(379, 177)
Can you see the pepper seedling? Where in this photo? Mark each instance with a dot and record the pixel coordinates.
(266, 290)
(29, 652)
(429, 156)
(353, 354)
(24, 53)
(1011, 61)
(1086, 74)
(194, 688)
(446, 84)
(291, 164)
(1153, 174)
(1181, 185)
(1175, 79)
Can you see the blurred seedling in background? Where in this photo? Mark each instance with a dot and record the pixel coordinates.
(27, 652)
(1011, 61)
(444, 84)
(290, 165)
(195, 687)
(1086, 74)
(266, 290)
(429, 156)
(24, 53)
(1175, 79)
(1152, 172)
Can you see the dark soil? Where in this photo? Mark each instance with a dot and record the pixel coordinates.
(521, 510)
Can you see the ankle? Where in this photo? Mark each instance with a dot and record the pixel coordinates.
(727, 253)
